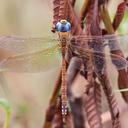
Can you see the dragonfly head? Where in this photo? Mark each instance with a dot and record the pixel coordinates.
(63, 26)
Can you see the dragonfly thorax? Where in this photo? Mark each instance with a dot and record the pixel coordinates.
(63, 28)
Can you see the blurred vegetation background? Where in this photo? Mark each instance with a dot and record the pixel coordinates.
(28, 93)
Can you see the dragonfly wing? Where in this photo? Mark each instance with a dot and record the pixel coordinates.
(28, 53)
(111, 60)
(20, 45)
(116, 43)
(105, 59)
(32, 62)
(103, 50)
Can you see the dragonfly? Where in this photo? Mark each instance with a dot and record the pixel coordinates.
(22, 54)
(30, 55)
(26, 54)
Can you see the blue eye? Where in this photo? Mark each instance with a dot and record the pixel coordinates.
(63, 27)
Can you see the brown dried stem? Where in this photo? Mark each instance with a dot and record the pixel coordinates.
(122, 74)
(52, 105)
(92, 108)
(119, 15)
(73, 2)
(57, 121)
(56, 7)
(63, 11)
(84, 10)
(76, 27)
(114, 110)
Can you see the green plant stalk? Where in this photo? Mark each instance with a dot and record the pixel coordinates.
(7, 120)
(5, 104)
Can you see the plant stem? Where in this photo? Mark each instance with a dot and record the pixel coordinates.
(7, 120)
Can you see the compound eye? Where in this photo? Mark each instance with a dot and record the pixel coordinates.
(63, 26)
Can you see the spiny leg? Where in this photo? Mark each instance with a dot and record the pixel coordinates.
(76, 104)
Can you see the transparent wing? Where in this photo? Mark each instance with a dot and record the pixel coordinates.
(103, 37)
(32, 62)
(32, 54)
(104, 50)
(18, 45)
(28, 54)
(107, 56)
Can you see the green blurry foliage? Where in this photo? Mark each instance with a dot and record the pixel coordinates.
(7, 107)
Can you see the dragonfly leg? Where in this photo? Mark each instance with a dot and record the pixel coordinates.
(76, 104)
